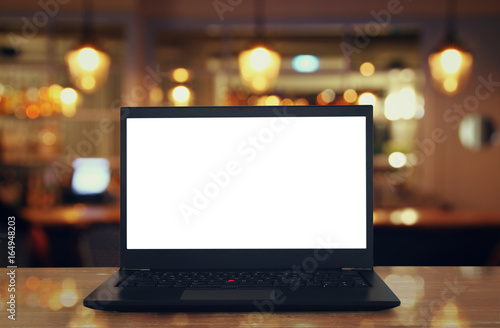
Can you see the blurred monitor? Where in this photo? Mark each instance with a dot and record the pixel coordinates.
(90, 180)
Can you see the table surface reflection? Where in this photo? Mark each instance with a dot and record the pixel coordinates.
(430, 297)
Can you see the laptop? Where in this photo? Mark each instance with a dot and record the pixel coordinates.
(245, 209)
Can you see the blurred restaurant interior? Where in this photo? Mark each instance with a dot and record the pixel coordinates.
(431, 70)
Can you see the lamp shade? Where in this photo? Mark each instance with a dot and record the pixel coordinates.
(450, 69)
(88, 67)
(259, 68)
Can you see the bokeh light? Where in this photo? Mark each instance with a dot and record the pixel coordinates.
(68, 95)
(156, 96)
(88, 59)
(409, 216)
(180, 75)
(301, 102)
(49, 138)
(181, 94)
(450, 84)
(32, 94)
(55, 93)
(68, 298)
(272, 101)
(305, 63)
(367, 98)
(32, 283)
(397, 159)
(88, 82)
(350, 95)
(367, 69)
(451, 60)
(68, 110)
(33, 111)
(325, 97)
(286, 102)
(260, 59)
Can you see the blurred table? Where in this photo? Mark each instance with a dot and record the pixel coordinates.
(436, 218)
(58, 230)
(85, 214)
(404, 236)
(430, 297)
(78, 214)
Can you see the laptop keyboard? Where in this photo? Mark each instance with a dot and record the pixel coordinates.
(183, 279)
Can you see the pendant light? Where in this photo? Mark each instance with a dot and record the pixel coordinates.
(88, 66)
(450, 64)
(259, 66)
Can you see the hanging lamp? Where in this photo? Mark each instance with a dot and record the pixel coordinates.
(451, 63)
(88, 66)
(259, 66)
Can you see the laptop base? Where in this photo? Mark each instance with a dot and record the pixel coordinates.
(304, 298)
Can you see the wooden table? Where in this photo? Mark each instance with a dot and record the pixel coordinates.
(70, 215)
(85, 214)
(430, 297)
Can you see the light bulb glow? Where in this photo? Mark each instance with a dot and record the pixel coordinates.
(451, 60)
(68, 95)
(400, 105)
(259, 83)
(259, 69)
(397, 159)
(88, 68)
(88, 82)
(181, 94)
(409, 216)
(408, 99)
(450, 84)
(260, 59)
(367, 98)
(88, 59)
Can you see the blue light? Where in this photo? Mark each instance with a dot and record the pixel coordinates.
(305, 63)
(91, 176)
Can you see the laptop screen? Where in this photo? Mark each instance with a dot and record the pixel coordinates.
(246, 183)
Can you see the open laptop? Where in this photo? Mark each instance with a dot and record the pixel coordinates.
(245, 209)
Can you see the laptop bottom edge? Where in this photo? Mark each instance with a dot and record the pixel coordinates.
(108, 297)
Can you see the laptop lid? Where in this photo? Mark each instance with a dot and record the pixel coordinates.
(227, 188)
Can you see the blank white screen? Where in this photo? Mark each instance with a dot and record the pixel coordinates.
(246, 183)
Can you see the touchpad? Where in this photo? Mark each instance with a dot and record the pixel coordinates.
(194, 294)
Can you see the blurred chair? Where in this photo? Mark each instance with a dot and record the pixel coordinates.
(99, 246)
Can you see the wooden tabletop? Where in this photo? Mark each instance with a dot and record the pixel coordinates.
(430, 297)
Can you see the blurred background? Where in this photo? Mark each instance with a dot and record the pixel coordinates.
(431, 70)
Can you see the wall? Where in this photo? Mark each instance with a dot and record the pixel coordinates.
(469, 180)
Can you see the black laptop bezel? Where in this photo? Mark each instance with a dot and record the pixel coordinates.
(241, 259)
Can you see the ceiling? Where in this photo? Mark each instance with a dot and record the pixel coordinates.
(275, 10)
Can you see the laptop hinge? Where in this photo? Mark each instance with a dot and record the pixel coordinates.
(356, 269)
(135, 269)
